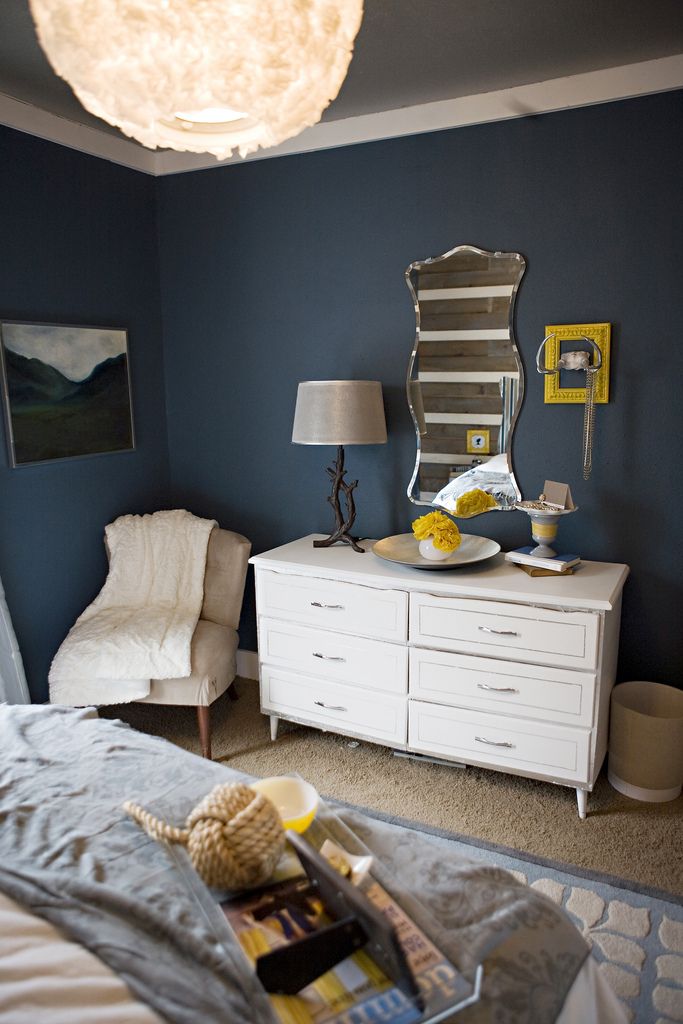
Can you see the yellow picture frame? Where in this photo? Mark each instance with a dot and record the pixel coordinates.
(478, 441)
(564, 333)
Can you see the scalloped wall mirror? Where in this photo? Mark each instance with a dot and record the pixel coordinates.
(465, 376)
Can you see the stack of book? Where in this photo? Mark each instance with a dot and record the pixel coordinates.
(533, 565)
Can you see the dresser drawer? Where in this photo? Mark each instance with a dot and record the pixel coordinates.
(536, 748)
(347, 659)
(371, 715)
(495, 629)
(550, 694)
(328, 604)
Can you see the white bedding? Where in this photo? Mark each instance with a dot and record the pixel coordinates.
(46, 979)
(140, 625)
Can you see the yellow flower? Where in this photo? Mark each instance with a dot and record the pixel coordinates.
(473, 502)
(443, 531)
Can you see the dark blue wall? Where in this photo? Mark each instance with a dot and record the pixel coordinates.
(291, 269)
(79, 247)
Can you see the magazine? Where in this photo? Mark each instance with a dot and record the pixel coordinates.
(356, 990)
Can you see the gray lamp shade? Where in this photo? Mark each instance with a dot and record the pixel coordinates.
(339, 412)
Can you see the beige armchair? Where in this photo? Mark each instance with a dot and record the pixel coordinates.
(214, 643)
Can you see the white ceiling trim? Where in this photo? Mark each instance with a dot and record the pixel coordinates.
(592, 87)
(34, 121)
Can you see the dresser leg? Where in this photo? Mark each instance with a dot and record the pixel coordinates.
(582, 801)
(274, 722)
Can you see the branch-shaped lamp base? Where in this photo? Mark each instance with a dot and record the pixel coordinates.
(344, 523)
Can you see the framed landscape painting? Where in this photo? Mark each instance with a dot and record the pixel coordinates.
(66, 391)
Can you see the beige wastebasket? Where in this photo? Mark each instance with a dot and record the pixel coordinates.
(646, 741)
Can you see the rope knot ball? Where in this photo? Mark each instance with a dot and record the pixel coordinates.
(234, 836)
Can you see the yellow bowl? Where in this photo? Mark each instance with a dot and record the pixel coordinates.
(295, 799)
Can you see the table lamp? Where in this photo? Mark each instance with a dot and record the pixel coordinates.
(339, 412)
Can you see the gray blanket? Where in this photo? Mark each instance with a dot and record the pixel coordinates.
(70, 854)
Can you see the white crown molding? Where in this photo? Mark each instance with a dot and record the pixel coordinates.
(33, 121)
(592, 87)
(608, 84)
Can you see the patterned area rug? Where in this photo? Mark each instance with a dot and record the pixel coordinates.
(636, 935)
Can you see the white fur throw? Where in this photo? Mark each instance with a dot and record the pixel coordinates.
(140, 625)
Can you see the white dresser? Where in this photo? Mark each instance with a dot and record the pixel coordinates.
(481, 665)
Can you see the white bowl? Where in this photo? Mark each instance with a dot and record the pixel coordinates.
(295, 799)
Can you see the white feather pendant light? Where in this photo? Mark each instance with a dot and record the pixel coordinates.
(208, 76)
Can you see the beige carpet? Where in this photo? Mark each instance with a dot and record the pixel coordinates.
(622, 837)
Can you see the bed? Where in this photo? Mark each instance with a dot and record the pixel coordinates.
(99, 923)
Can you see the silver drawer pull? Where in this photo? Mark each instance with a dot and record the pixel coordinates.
(327, 657)
(497, 689)
(498, 632)
(319, 604)
(328, 707)
(494, 743)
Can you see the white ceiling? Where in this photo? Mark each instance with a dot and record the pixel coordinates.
(418, 65)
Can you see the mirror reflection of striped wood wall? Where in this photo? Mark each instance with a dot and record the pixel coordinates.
(464, 350)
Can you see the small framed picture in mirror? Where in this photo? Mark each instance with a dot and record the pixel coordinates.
(479, 441)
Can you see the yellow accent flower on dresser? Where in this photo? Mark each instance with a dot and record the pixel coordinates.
(438, 528)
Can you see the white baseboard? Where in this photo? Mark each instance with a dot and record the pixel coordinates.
(247, 664)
